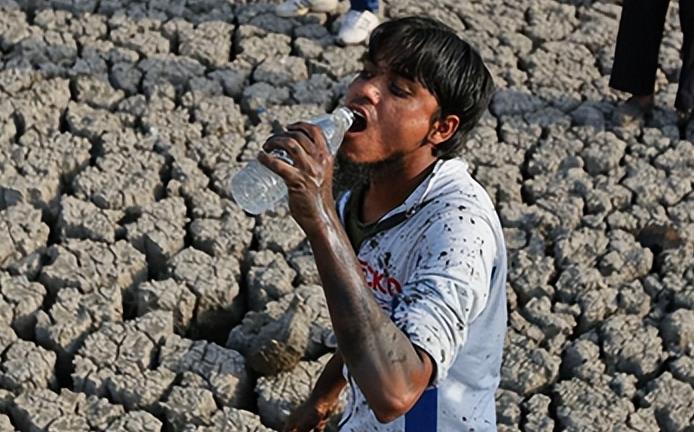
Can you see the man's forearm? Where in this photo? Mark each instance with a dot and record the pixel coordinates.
(330, 383)
(379, 356)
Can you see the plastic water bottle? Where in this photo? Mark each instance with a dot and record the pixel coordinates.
(257, 189)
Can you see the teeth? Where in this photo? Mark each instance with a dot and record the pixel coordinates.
(357, 114)
(359, 123)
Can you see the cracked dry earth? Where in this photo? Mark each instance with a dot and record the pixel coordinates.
(136, 296)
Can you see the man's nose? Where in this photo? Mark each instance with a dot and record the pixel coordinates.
(369, 89)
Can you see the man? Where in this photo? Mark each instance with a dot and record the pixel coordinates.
(636, 58)
(419, 312)
(355, 25)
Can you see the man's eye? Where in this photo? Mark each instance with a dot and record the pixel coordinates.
(397, 90)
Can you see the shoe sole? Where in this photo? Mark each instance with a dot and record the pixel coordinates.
(345, 44)
(633, 118)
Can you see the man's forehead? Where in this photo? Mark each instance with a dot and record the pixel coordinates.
(383, 67)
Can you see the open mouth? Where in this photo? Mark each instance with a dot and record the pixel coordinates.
(359, 123)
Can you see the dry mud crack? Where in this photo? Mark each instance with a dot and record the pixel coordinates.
(136, 296)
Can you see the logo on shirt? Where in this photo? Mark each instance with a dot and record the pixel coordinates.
(380, 281)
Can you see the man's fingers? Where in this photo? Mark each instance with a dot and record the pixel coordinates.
(279, 141)
(303, 140)
(295, 176)
(278, 166)
(298, 153)
(313, 134)
(309, 137)
(294, 151)
(285, 141)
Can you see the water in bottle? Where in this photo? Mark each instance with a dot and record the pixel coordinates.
(257, 189)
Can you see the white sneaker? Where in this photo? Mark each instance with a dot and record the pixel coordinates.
(294, 8)
(356, 27)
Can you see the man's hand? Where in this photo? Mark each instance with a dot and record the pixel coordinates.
(315, 412)
(309, 179)
(310, 416)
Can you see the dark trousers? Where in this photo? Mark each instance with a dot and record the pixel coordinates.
(638, 43)
(362, 5)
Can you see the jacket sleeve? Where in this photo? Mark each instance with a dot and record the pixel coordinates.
(447, 288)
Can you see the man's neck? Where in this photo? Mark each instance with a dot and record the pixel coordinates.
(389, 185)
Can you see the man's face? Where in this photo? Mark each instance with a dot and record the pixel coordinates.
(397, 116)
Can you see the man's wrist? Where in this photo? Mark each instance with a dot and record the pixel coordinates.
(323, 223)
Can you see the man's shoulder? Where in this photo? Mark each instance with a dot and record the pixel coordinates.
(453, 188)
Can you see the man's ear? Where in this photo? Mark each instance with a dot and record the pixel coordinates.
(443, 129)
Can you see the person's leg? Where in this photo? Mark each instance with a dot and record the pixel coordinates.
(638, 44)
(293, 8)
(685, 91)
(364, 5)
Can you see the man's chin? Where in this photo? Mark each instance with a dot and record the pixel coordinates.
(346, 156)
(349, 172)
(362, 163)
(353, 162)
(354, 150)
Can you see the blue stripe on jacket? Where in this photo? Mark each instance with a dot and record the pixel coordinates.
(423, 415)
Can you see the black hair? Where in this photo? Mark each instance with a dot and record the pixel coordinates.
(429, 52)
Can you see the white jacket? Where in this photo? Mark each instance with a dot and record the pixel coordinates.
(440, 274)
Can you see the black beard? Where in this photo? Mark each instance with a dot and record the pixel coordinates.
(348, 174)
(351, 173)
(366, 168)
